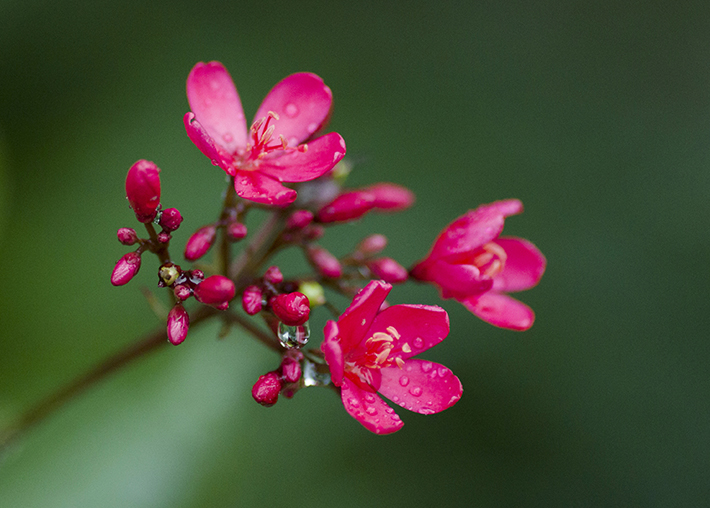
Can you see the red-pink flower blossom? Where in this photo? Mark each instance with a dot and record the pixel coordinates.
(473, 264)
(371, 351)
(273, 149)
(143, 189)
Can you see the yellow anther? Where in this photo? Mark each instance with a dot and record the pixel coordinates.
(406, 348)
(399, 362)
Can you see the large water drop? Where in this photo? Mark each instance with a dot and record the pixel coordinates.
(294, 336)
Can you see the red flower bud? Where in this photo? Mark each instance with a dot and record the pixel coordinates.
(182, 292)
(273, 275)
(291, 370)
(236, 230)
(388, 270)
(170, 219)
(326, 264)
(216, 291)
(348, 206)
(299, 219)
(178, 324)
(313, 232)
(389, 196)
(127, 236)
(372, 245)
(143, 189)
(126, 268)
(251, 300)
(199, 243)
(292, 309)
(266, 389)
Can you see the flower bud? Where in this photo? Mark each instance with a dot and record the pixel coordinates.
(127, 236)
(126, 268)
(178, 324)
(348, 206)
(372, 245)
(389, 196)
(388, 270)
(182, 293)
(326, 264)
(273, 275)
(164, 237)
(291, 370)
(313, 232)
(199, 243)
(292, 309)
(236, 230)
(251, 300)
(266, 389)
(216, 291)
(143, 189)
(170, 219)
(299, 219)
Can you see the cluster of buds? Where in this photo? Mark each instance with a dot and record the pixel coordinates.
(285, 380)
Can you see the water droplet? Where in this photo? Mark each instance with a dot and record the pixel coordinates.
(427, 366)
(426, 411)
(418, 343)
(389, 410)
(291, 110)
(404, 380)
(396, 417)
(416, 391)
(312, 128)
(395, 399)
(371, 411)
(353, 402)
(311, 376)
(443, 371)
(337, 156)
(227, 138)
(294, 336)
(370, 398)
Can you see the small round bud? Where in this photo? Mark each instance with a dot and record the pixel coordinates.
(326, 264)
(299, 219)
(182, 293)
(198, 275)
(391, 197)
(199, 243)
(178, 324)
(216, 291)
(273, 275)
(347, 206)
(127, 236)
(292, 309)
(164, 237)
(126, 268)
(266, 389)
(170, 219)
(252, 300)
(169, 273)
(143, 189)
(372, 245)
(236, 231)
(388, 270)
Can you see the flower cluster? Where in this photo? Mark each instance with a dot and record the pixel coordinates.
(285, 165)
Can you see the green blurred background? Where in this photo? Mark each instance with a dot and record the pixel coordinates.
(595, 114)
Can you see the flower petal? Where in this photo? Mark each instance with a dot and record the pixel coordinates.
(322, 154)
(302, 102)
(501, 310)
(206, 144)
(255, 186)
(420, 327)
(524, 265)
(333, 352)
(354, 323)
(369, 409)
(421, 386)
(214, 100)
(455, 280)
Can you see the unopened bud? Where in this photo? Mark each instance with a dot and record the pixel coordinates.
(182, 293)
(299, 219)
(292, 309)
(273, 275)
(326, 264)
(127, 236)
(236, 230)
(348, 206)
(252, 300)
(178, 324)
(372, 245)
(266, 389)
(170, 219)
(199, 243)
(216, 291)
(126, 268)
(391, 197)
(291, 370)
(388, 270)
(143, 189)
(164, 237)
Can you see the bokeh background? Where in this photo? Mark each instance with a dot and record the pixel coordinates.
(595, 114)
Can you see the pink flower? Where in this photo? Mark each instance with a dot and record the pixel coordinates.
(369, 351)
(272, 150)
(473, 264)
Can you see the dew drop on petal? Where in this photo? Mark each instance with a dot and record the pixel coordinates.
(443, 372)
(312, 128)
(395, 399)
(396, 417)
(337, 155)
(427, 366)
(353, 402)
(426, 411)
(291, 110)
(389, 410)
(227, 138)
(418, 343)
(371, 411)
(370, 398)
(416, 391)
(404, 380)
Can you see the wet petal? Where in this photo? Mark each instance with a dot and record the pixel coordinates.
(206, 144)
(322, 154)
(354, 323)
(524, 265)
(255, 186)
(369, 409)
(420, 327)
(421, 386)
(455, 280)
(501, 310)
(214, 100)
(333, 352)
(302, 102)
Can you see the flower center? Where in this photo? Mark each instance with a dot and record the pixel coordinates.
(490, 259)
(261, 133)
